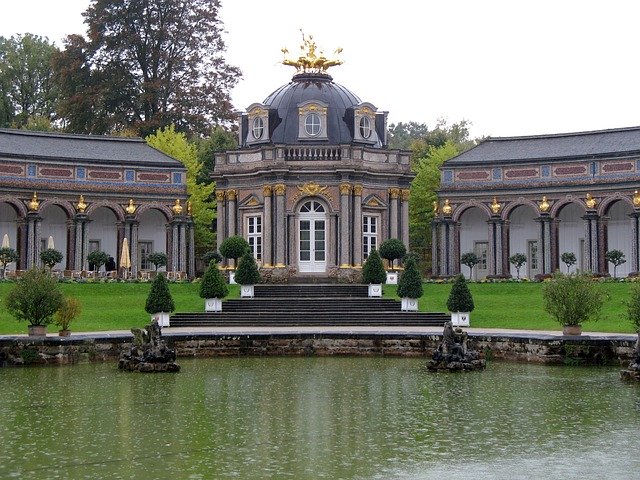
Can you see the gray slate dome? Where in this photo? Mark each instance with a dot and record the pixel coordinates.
(311, 86)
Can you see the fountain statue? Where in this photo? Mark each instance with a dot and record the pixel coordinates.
(633, 370)
(452, 353)
(149, 353)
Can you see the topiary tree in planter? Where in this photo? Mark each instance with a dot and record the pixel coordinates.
(159, 301)
(233, 248)
(247, 274)
(97, 259)
(568, 258)
(391, 250)
(460, 302)
(410, 284)
(7, 256)
(35, 298)
(518, 260)
(67, 312)
(572, 300)
(373, 273)
(616, 257)
(157, 259)
(213, 289)
(211, 256)
(469, 259)
(50, 257)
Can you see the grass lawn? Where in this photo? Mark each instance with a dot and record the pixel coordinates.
(120, 306)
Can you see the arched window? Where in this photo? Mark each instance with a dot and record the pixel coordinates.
(258, 128)
(312, 206)
(312, 124)
(365, 127)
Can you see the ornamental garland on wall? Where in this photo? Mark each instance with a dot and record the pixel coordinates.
(312, 189)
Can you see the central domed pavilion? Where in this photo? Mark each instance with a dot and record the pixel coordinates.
(313, 186)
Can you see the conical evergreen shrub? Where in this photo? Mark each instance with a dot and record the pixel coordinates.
(213, 284)
(159, 298)
(373, 270)
(247, 272)
(410, 283)
(460, 299)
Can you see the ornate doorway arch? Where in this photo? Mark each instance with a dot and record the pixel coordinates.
(312, 237)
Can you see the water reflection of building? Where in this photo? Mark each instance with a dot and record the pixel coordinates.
(542, 196)
(88, 193)
(313, 186)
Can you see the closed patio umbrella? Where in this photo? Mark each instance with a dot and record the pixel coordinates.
(125, 258)
(50, 243)
(5, 241)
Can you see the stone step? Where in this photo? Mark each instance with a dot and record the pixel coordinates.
(306, 290)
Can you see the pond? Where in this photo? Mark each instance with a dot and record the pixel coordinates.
(333, 418)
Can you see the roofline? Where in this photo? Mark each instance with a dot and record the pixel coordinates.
(61, 135)
(556, 135)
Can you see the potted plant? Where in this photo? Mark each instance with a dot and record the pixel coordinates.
(7, 256)
(35, 298)
(572, 300)
(96, 259)
(373, 273)
(159, 301)
(67, 312)
(50, 257)
(410, 284)
(460, 302)
(233, 248)
(213, 289)
(518, 260)
(247, 275)
(392, 249)
(157, 259)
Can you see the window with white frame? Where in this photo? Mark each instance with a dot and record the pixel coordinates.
(369, 234)
(254, 236)
(144, 249)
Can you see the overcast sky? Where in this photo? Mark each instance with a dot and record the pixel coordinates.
(511, 67)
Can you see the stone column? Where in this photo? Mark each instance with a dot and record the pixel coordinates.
(33, 239)
(267, 227)
(37, 234)
(404, 217)
(591, 240)
(435, 247)
(544, 243)
(232, 213)
(357, 225)
(448, 241)
(79, 234)
(175, 244)
(281, 218)
(635, 245)
(182, 249)
(394, 193)
(191, 255)
(220, 218)
(345, 193)
(495, 247)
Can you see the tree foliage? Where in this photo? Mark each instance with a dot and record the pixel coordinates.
(175, 144)
(234, 247)
(518, 260)
(469, 259)
(7, 256)
(158, 259)
(568, 258)
(27, 86)
(147, 64)
(410, 283)
(35, 297)
(392, 249)
(97, 259)
(247, 272)
(616, 257)
(572, 299)
(68, 311)
(373, 270)
(213, 284)
(220, 140)
(633, 307)
(50, 257)
(159, 298)
(460, 299)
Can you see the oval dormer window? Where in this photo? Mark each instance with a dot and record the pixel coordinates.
(365, 127)
(258, 128)
(312, 124)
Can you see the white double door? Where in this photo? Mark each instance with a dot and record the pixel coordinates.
(312, 245)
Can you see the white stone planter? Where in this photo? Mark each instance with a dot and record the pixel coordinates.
(213, 305)
(246, 291)
(409, 304)
(460, 319)
(375, 290)
(162, 318)
(392, 278)
(232, 278)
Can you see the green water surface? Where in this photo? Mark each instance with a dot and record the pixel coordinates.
(318, 418)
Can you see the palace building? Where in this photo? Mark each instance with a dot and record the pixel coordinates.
(542, 196)
(313, 185)
(80, 193)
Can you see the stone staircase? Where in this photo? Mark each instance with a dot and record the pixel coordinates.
(291, 305)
